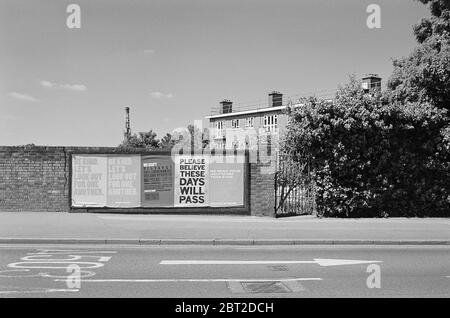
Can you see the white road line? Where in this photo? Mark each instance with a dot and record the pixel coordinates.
(193, 280)
(319, 261)
(38, 291)
(220, 262)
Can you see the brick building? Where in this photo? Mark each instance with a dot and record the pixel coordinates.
(252, 126)
(245, 128)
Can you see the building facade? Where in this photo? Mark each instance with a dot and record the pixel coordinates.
(248, 128)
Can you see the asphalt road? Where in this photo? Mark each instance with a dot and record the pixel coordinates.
(225, 271)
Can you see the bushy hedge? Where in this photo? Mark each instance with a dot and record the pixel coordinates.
(373, 158)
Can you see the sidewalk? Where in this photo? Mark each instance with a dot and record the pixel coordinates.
(39, 227)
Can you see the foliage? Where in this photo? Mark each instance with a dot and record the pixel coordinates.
(144, 140)
(372, 158)
(385, 154)
(424, 75)
(167, 142)
(149, 141)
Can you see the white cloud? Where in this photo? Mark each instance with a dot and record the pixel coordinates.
(24, 97)
(69, 87)
(47, 84)
(74, 87)
(149, 51)
(160, 95)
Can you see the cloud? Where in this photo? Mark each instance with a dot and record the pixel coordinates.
(74, 87)
(149, 51)
(69, 87)
(47, 84)
(24, 97)
(160, 95)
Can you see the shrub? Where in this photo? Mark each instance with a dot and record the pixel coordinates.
(373, 158)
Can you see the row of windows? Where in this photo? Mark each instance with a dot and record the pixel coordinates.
(270, 122)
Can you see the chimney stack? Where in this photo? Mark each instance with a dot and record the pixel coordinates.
(226, 106)
(127, 132)
(275, 99)
(371, 81)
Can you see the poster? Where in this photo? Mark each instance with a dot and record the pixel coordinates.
(132, 181)
(191, 181)
(226, 184)
(124, 181)
(89, 180)
(158, 177)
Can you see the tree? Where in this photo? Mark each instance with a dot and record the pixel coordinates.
(199, 139)
(377, 154)
(167, 142)
(144, 140)
(424, 75)
(372, 158)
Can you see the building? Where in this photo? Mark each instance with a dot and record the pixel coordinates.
(371, 81)
(251, 127)
(244, 128)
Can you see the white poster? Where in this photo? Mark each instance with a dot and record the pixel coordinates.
(89, 180)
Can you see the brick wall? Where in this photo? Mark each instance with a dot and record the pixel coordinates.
(33, 179)
(36, 179)
(262, 174)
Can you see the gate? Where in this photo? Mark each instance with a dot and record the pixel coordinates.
(294, 186)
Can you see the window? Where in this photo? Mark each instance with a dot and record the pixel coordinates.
(219, 129)
(249, 122)
(219, 125)
(270, 123)
(235, 123)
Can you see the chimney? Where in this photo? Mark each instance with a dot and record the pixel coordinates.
(127, 132)
(371, 81)
(226, 106)
(275, 99)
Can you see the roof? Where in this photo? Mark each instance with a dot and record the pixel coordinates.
(247, 112)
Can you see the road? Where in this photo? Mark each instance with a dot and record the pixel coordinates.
(225, 271)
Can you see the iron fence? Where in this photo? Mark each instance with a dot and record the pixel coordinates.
(294, 186)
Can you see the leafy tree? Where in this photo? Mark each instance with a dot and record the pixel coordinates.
(385, 154)
(372, 158)
(149, 141)
(144, 140)
(199, 139)
(424, 75)
(167, 142)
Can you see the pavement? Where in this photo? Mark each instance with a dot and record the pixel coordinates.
(224, 271)
(102, 228)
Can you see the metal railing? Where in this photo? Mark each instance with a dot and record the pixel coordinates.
(295, 191)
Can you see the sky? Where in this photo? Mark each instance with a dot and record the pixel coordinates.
(171, 61)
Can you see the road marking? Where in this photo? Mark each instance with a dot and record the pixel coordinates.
(193, 280)
(39, 264)
(320, 261)
(295, 286)
(38, 291)
(78, 251)
(221, 262)
(52, 259)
